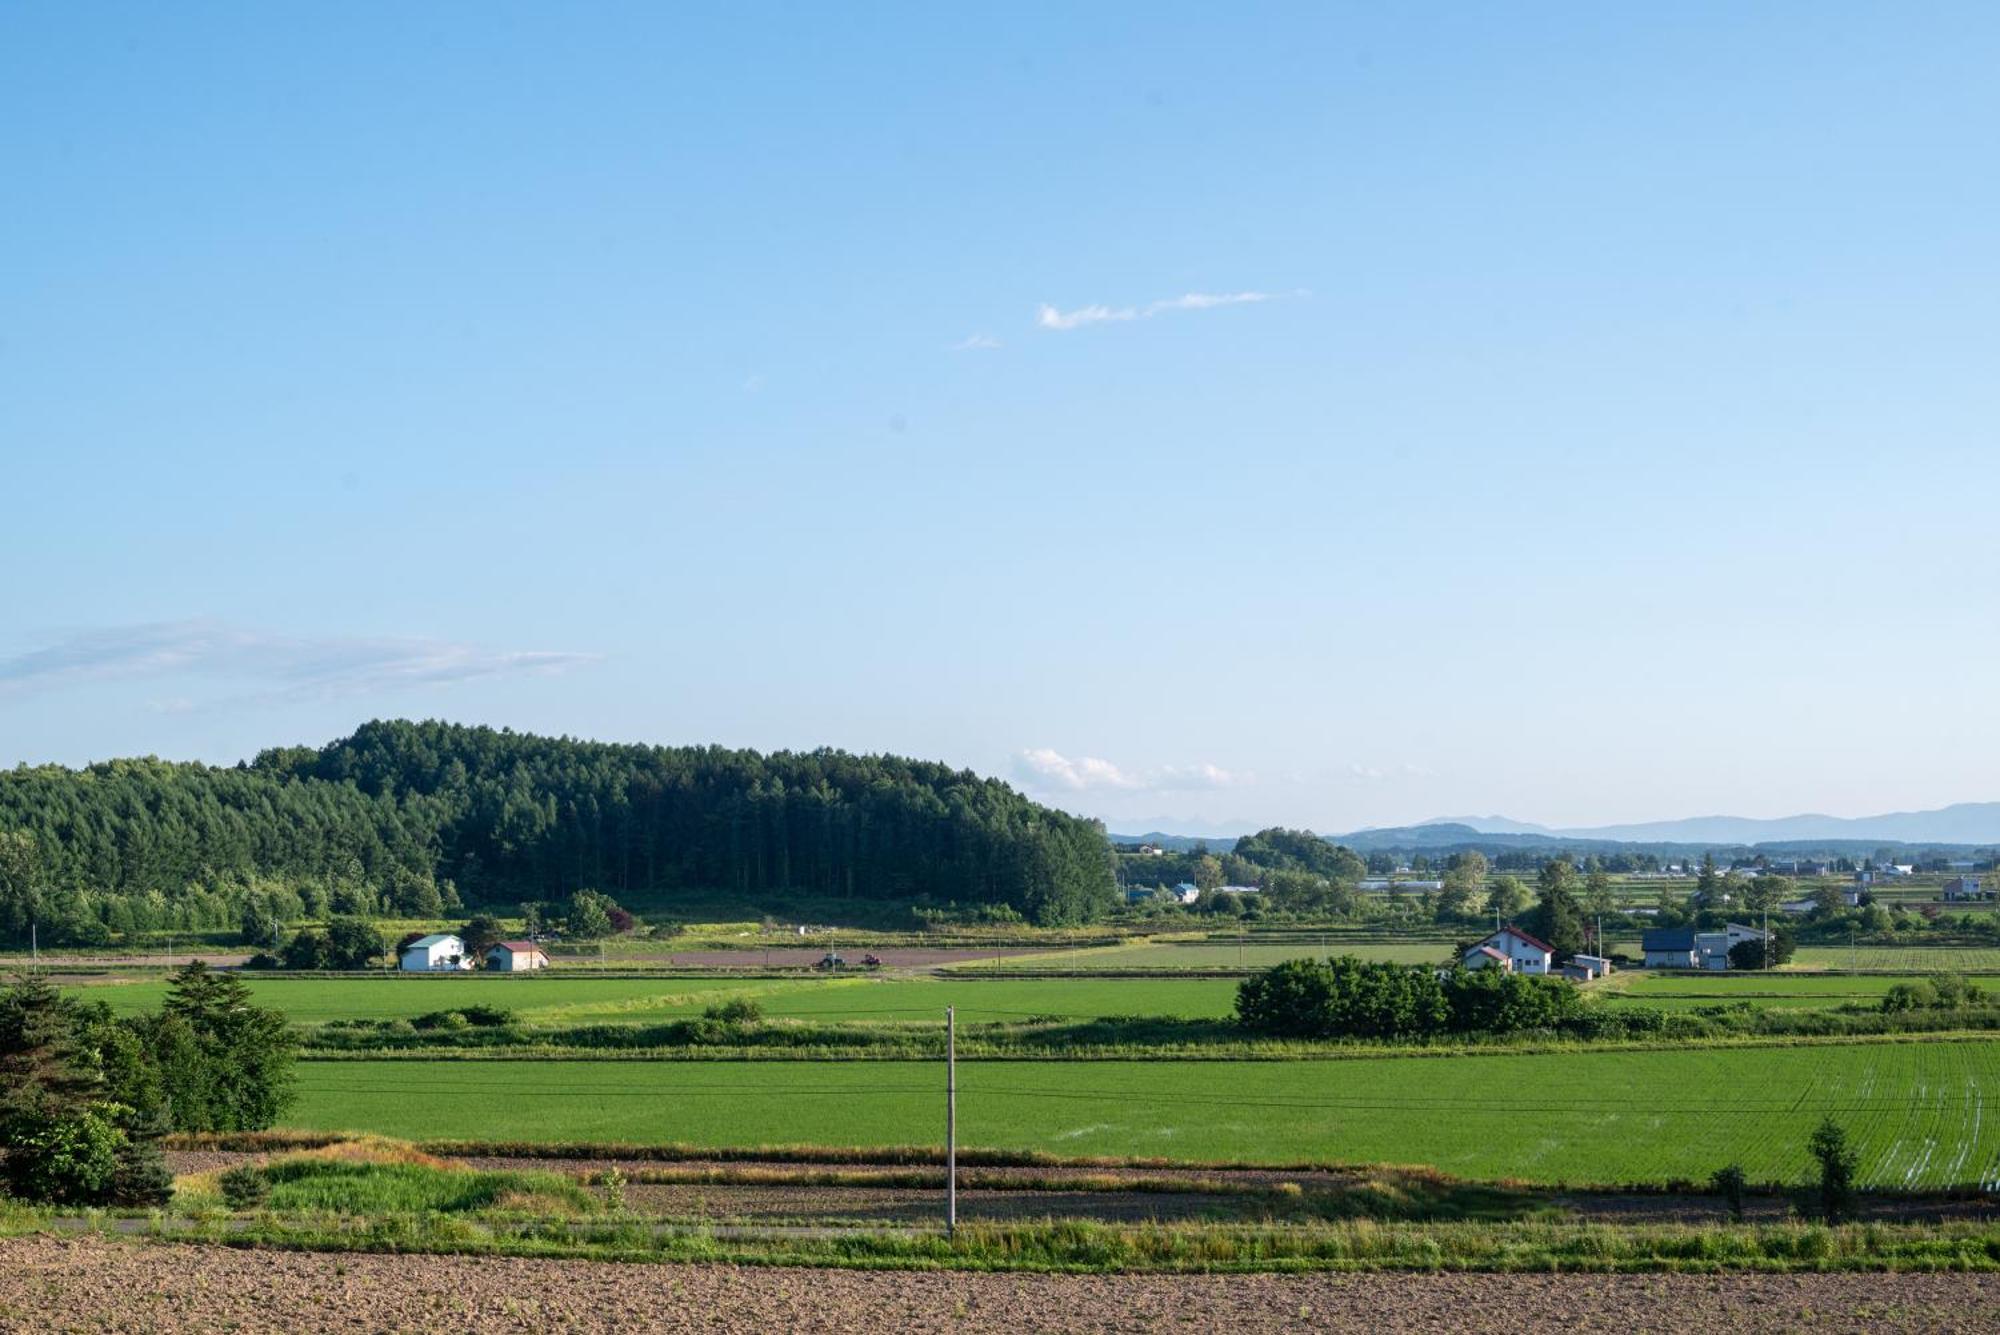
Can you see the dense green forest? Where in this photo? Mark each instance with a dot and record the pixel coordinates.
(417, 818)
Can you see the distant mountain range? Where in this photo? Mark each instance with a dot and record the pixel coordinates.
(1962, 823)
(1178, 843)
(1971, 824)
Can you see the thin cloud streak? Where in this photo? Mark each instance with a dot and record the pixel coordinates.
(286, 666)
(1053, 318)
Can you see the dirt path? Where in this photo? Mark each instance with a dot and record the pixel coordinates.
(91, 1284)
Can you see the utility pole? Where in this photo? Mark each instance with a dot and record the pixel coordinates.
(35, 941)
(950, 1122)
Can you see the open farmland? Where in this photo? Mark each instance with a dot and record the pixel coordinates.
(1915, 1109)
(1251, 953)
(1776, 988)
(1900, 959)
(556, 997)
(97, 1283)
(309, 1000)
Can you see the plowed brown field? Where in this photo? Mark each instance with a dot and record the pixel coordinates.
(92, 1284)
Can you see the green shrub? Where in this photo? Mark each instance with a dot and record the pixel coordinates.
(244, 1187)
(736, 1010)
(64, 1159)
(1728, 1183)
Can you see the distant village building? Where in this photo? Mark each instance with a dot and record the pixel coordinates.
(1597, 965)
(515, 957)
(1583, 968)
(1961, 889)
(1668, 948)
(440, 952)
(1688, 948)
(1237, 890)
(1512, 950)
(1187, 892)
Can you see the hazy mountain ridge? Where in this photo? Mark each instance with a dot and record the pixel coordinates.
(1960, 823)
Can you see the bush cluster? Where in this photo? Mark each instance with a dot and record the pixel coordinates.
(1352, 998)
(84, 1097)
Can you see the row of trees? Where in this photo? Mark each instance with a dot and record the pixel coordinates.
(84, 1096)
(1352, 998)
(417, 818)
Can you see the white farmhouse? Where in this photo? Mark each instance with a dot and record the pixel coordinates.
(1511, 949)
(440, 952)
(1669, 948)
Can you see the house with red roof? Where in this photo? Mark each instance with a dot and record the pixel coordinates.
(1512, 950)
(515, 956)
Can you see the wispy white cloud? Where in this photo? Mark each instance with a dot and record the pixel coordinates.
(1381, 774)
(1203, 301)
(1048, 317)
(976, 343)
(1199, 776)
(1051, 317)
(275, 665)
(1050, 770)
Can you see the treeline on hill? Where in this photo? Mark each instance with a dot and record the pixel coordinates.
(418, 818)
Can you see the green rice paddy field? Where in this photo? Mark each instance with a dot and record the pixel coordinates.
(1916, 1110)
(1251, 954)
(1906, 959)
(553, 997)
(1780, 989)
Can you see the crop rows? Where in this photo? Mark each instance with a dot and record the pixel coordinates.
(1916, 1110)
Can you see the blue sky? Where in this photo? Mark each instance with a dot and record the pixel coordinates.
(1327, 414)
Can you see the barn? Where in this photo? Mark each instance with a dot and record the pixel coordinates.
(515, 957)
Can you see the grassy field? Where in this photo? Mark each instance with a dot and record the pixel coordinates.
(315, 1000)
(1900, 959)
(1252, 954)
(1916, 1110)
(554, 998)
(1779, 989)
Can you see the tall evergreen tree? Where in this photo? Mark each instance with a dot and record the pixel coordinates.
(1557, 918)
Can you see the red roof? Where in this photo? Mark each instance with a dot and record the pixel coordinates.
(518, 947)
(1488, 950)
(1534, 941)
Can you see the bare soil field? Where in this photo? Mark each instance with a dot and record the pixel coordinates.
(214, 959)
(91, 1284)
